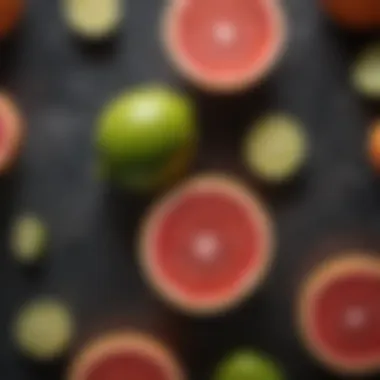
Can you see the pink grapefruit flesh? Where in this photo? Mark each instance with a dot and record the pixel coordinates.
(206, 245)
(10, 133)
(125, 356)
(224, 43)
(340, 311)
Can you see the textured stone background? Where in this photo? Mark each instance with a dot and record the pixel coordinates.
(60, 85)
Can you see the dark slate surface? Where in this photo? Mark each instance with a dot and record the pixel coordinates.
(60, 85)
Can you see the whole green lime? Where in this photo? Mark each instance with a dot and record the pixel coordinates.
(146, 137)
(248, 365)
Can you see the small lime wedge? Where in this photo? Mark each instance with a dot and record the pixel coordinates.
(275, 148)
(43, 329)
(93, 19)
(28, 239)
(248, 365)
(366, 72)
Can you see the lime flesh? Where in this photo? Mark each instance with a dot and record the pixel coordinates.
(93, 19)
(366, 72)
(275, 148)
(28, 239)
(248, 365)
(43, 329)
(142, 133)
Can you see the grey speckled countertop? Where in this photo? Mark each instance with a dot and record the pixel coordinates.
(60, 86)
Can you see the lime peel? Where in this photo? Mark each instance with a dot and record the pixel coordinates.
(276, 147)
(43, 329)
(248, 365)
(93, 20)
(366, 72)
(28, 239)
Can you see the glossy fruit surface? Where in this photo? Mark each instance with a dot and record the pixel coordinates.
(125, 355)
(93, 21)
(248, 365)
(275, 148)
(366, 74)
(146, 137)
(207, 245)
(339, 313)
(10, 14)
(356, 14)
(224, 45)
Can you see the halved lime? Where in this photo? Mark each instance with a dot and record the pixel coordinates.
(28, 239)
(248, 365)
(366, 72)
(93, 19)
(276, 147)
(43, 329)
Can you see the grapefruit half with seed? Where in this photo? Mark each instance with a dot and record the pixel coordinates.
(207, 245)
(126, 355)
(224, 45)
(11, 132)
(339, 313)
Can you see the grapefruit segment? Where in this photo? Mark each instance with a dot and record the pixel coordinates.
(126, 355)
(225, 44)
(206, 245)
(10, 132)
(339, 313)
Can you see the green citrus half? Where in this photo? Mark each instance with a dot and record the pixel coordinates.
(248, 365)
(28, 239)
(275, 148)
(366, 72)
(93, 20)
(43, 329)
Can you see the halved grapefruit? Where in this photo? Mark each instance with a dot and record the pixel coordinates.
(339, 313)
(207, 245)
(126, 355)
(11, 128)
(224, 45)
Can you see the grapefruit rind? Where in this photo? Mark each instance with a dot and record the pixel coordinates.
(329, 270)
(121, 342)
(253, 280)
(237, 82)
(146, 138)
(13, 126)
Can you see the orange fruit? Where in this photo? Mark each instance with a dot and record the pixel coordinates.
(362, 14)
(10, 13)
(225, 45)
(374, 146)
